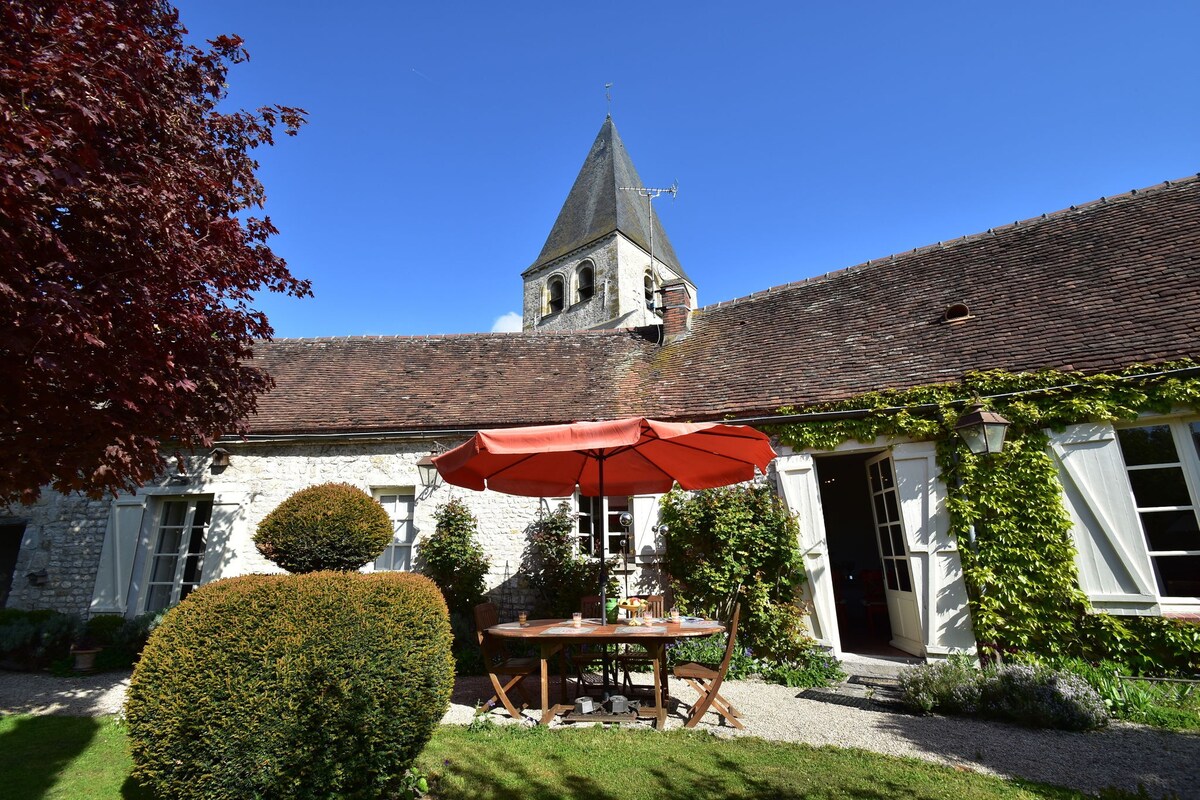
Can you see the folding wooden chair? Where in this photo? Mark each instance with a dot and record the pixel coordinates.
(708, 682)
(634, 657)
(499, 664)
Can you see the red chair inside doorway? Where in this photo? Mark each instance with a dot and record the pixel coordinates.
(874, 600)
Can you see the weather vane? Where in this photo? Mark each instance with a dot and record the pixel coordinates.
(608, 97)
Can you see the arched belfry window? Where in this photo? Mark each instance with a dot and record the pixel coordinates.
(649, 284)
(554, 295)
(585, 281)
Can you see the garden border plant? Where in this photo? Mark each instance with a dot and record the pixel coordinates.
(1021, 573)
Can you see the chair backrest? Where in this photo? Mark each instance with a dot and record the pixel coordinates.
(733, 626)
(589, 606)
(655, 602)
(486, 615)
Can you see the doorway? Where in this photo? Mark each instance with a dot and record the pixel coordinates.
(10, 549)
(860, 563)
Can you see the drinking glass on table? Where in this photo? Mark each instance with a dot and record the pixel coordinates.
(522, 618)
(577, 619)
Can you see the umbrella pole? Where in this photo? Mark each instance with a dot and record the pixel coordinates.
(603, 524)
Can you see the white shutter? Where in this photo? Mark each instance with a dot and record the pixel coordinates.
(1114, 567)
(111, 594)
(646, 546)
(219, 553)
(798, 484)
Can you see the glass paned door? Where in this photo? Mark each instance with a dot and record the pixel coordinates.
(902, 602)
(177, 560)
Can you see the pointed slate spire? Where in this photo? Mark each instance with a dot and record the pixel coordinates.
(596, 206)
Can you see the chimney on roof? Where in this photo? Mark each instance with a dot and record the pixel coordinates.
(677, 309)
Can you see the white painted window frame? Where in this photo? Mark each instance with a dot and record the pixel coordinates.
(154, 536)
(409, 543)
(1189, 463)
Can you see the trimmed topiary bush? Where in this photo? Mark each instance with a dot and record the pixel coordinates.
(332, 526)
(300, 686)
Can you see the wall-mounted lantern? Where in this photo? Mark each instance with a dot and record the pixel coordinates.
(428, 473)
(983, 431)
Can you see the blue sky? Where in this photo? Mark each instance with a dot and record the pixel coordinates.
(805, 137)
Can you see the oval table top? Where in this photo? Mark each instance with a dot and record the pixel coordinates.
(592, 630)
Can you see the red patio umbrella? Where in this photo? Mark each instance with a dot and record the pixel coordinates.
(618, 457)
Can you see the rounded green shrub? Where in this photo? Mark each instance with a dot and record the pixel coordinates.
(331, 526)
(321, 685)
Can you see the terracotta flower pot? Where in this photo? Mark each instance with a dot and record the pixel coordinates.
(85, 658)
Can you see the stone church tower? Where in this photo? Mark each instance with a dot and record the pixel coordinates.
(595, 270)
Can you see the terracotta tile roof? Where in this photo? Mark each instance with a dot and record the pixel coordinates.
(363, 384)
(1090, 288)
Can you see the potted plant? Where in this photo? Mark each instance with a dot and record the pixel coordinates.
(97, 633)
(84, 651)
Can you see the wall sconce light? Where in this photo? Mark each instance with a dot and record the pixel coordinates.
(220, 458)
(428, 473)
(982, 431)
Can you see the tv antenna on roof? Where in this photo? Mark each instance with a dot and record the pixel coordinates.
(650, 194)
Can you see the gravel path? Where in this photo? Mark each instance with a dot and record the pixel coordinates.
(1124, 755)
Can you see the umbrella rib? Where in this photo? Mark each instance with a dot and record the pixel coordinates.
(699, 450)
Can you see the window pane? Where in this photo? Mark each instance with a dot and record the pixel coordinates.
(905, 578)
(1150, 445)
(873, 472)
(163, 569)
(191, 569)
(1171, 530)
(1153, 488)
(196, 544)
(889, 566)
(203, 513)
(885, 474)
(1178, 576)
(897, 540)
(160, 598)
(885, 541)
(880, 509)
(893, 511)
(168, 540)
(174, 512)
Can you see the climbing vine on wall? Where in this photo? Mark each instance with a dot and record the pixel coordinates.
(1020, 572)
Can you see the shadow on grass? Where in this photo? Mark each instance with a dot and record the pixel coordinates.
(34, 752)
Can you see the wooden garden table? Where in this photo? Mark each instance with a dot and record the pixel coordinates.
(552, 635)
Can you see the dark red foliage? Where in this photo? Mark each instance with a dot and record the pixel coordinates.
(127, 268)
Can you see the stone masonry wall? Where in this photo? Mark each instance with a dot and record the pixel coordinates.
(65, 534)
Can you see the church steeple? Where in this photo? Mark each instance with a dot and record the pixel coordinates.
(595, 269)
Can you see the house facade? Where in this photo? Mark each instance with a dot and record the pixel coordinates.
(612, 329)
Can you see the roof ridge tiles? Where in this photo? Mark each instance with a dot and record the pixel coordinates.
(1044, 217)
(531, 334)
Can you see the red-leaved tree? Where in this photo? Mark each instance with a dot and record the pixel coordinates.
(127, 265)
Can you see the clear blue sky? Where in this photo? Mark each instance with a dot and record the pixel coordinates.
(805, 137)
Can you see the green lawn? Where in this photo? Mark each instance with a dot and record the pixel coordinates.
(77, 758)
